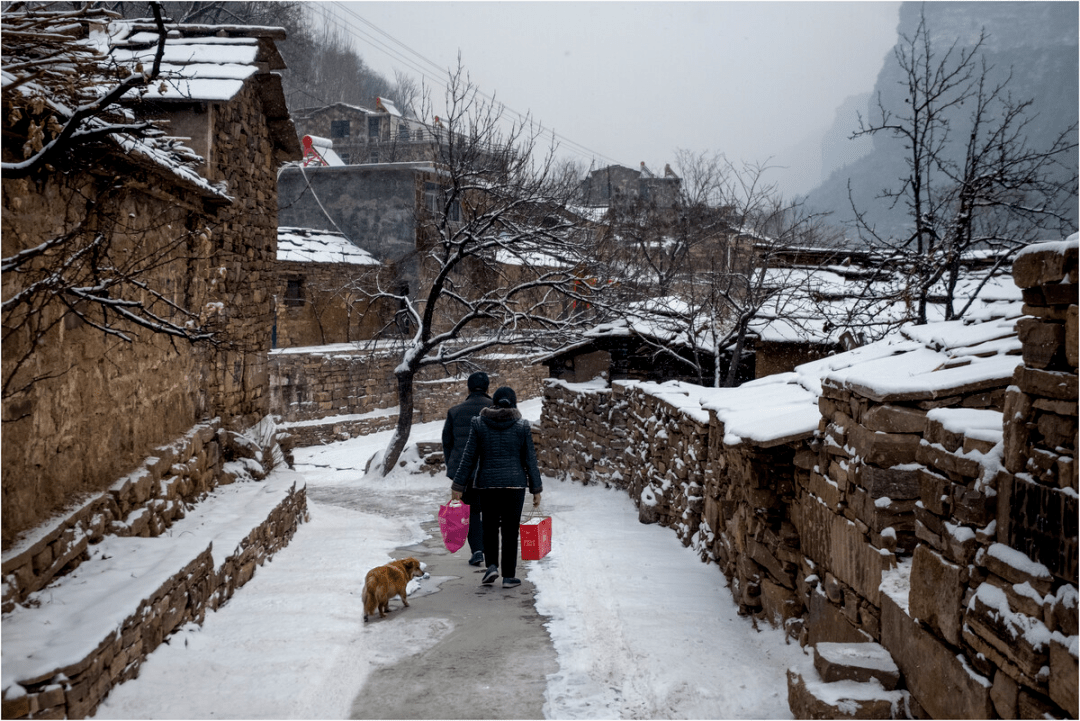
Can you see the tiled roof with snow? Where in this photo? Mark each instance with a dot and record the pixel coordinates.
(319, 246)
(193, 67)
(818, 305)
(209, 63)
(150, 147)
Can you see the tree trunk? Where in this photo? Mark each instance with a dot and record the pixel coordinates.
(404, 424)
(736, 357)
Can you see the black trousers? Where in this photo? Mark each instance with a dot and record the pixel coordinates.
(500, 512)
(476, 529)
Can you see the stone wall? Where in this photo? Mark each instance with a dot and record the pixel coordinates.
(330, 309)
(584, 433)
(85, 408)
(332, 382)
(244, 274)
(939, 521)
(375, 206)
(667, 457)
(750, 499)
(79, 687)
(146, 503)
(98, 404)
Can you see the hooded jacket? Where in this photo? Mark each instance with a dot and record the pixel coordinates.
(500, 450)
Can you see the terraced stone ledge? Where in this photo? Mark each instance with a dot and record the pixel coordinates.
(70, 642)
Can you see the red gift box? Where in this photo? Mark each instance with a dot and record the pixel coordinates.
(535, 538)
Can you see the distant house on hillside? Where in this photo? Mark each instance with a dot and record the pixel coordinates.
(368, 135)
(617, 184)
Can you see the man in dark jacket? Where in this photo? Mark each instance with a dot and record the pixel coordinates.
(454, 436)
(500, 461)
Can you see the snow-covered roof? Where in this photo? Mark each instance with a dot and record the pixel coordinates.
(594, 214)
(319, 246)
(388, 106)
(200, 62)
(533, 258)
(153, 148)
(819, 305)
(922, 362)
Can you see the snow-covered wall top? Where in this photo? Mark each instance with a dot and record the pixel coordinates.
(920, 362)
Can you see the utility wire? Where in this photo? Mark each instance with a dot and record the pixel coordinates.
(431, 71)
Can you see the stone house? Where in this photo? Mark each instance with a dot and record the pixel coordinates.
(82, 407)
(368, 135)
(617, 184)
(318, 299)
(623, 351)
(379, 208)
(136, 383)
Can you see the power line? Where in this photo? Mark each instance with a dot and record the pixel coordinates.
(428, 69)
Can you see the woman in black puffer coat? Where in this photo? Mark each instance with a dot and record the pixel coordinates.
(500, 451)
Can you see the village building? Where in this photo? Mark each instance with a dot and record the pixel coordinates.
(136, 377)
(214, 224)
(617, 184)
(361, 135)
(321, 295)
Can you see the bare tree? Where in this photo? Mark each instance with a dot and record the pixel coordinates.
(61, 113)
(699, 273)
(972, 181)
(498, 250)
(406, 93)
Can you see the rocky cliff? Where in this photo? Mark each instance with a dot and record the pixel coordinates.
(1037, 41)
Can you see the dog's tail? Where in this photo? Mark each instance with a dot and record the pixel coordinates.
(367, 595)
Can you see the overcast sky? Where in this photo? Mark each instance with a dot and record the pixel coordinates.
(633, 82)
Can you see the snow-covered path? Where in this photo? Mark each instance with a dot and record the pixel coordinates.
(641, 627)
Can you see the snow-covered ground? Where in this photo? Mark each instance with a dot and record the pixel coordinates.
(641, 628)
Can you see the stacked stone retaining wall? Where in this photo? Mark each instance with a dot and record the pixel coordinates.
(940, 522)
(584, 433)
(667, 458)
(320, 393)
(144, 504)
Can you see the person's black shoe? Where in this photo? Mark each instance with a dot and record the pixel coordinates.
(491, 574)
(511, 582)
(477, 559)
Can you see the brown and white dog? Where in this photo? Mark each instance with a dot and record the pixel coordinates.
(385, 582)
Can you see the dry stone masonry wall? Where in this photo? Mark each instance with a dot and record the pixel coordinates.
(328, 393)
(584, 432)
(138, 512)
(913, 500)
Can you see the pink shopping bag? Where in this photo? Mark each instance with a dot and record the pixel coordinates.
(454, 525)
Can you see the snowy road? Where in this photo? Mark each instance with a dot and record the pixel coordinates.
(641, 628)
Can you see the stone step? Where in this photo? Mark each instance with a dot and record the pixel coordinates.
(70, 642)
(809, 697)
(856, 662)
